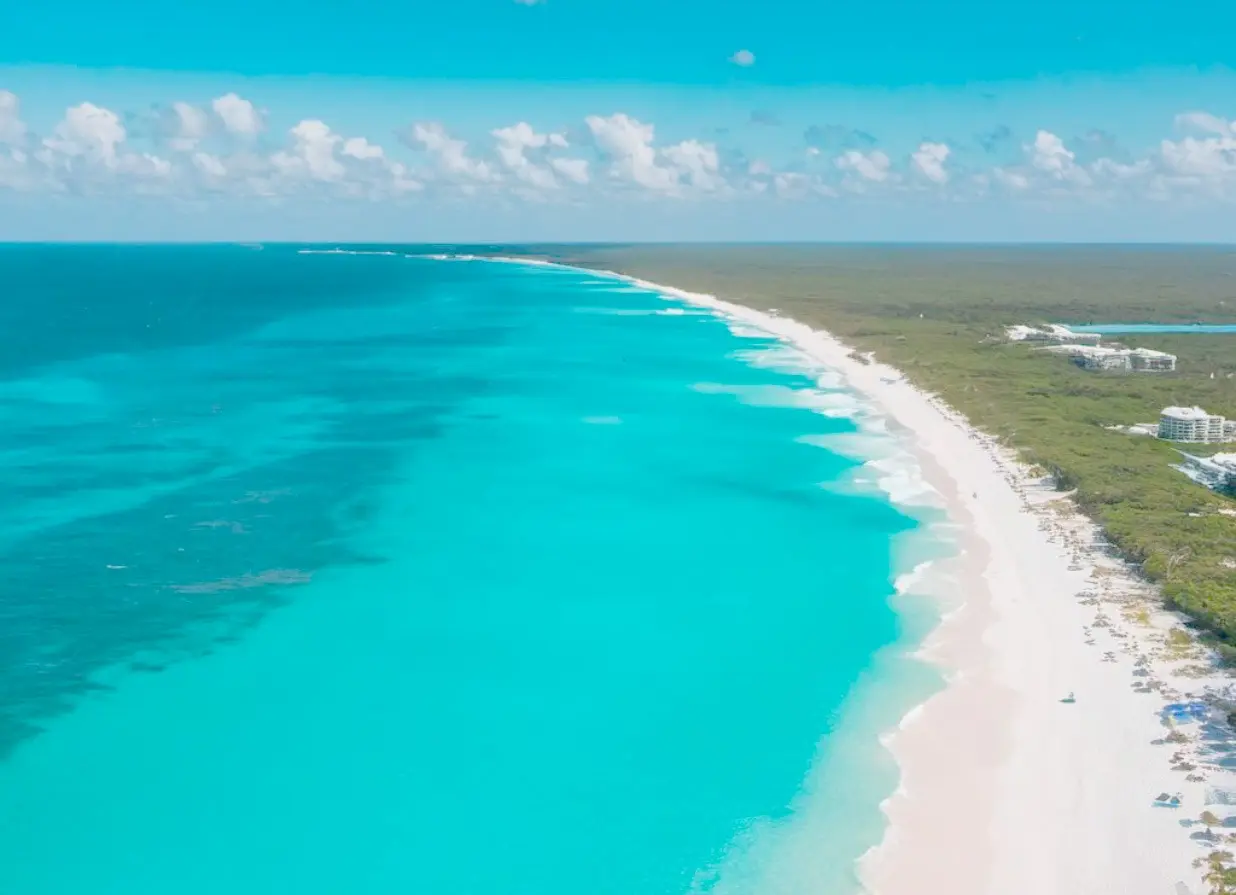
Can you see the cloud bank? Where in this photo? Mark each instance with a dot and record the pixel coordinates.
(229, 147)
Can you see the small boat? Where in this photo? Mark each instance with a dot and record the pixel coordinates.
(1070, 699)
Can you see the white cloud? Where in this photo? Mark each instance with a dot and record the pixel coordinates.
(144, 166)
(12, 128)
(798, 185)
(1048, 153)
(191, 126)
(451, 155)
(15, 170)
(1014, 180)
(791, 184)
(928, 160)
(91, 150)
(312, 153)
(1122, 171)
(573, 169)
(628, 144)
(347, 166)
(209, 165)
(873, 166)
(696, 161)
(362, 149)
(400, 182)
(513, 144)
(745, 58)
(88, 131)
(1205, 122)
(1207, 158)
(238, 115)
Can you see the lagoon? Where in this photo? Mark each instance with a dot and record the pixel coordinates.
(1152, 328)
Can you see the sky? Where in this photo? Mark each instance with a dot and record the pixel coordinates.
(594, 120)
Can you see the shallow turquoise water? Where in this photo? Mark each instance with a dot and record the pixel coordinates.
(337, 573)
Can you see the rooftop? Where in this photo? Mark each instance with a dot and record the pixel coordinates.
(1186, 413)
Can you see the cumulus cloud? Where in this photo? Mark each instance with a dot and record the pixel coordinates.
(211, 148)
(210, 165)
(573, 169)
(239, 116)
(312, 153)
(744, 58)
(12, 128)
(1204, 122)
(190, 125)
(318, 155)
(1207, 158)
(697, 162)
(513, 145)
(1049, 155)
(88, 131)
(796, 185)
(450, 155)
(627, 143)
(928, 160)
(871, 166)
(362, 149)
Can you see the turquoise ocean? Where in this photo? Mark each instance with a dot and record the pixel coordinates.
(381, 573)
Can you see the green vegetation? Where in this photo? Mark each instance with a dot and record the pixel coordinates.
(1220, 876)
(938, 314)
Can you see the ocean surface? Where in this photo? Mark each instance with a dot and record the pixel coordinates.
(340, 573)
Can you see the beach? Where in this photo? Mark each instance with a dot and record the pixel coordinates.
(1037, 767)
(343, 595)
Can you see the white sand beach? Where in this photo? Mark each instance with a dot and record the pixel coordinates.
(1006, 788)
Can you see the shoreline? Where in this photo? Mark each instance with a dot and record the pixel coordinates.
(1003, 786)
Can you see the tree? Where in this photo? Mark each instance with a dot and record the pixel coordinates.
(1219, 875)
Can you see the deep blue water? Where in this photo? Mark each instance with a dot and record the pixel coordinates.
(354, 573)
(1147, 328)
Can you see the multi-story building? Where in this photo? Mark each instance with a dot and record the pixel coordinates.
(1095, 358)
(1137, 360)
(1149, 361)
(1190, 424)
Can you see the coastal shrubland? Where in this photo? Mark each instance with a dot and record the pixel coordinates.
(939, 313)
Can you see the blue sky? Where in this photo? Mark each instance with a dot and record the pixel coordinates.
(592, 119)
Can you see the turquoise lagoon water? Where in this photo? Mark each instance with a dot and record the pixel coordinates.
(354, 573)
(1151, 328)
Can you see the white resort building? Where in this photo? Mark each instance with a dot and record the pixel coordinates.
(1192, 424)
(1053, 332)
(1136, 360)
(1216, 471)
(1151, 361)
(1088, 354)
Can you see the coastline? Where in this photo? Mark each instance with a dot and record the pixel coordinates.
(1004, 787)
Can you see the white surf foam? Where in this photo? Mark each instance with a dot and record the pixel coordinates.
(783, 858)
(388, 254)
(827, 403)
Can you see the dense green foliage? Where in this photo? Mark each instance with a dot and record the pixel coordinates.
(938, 314)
